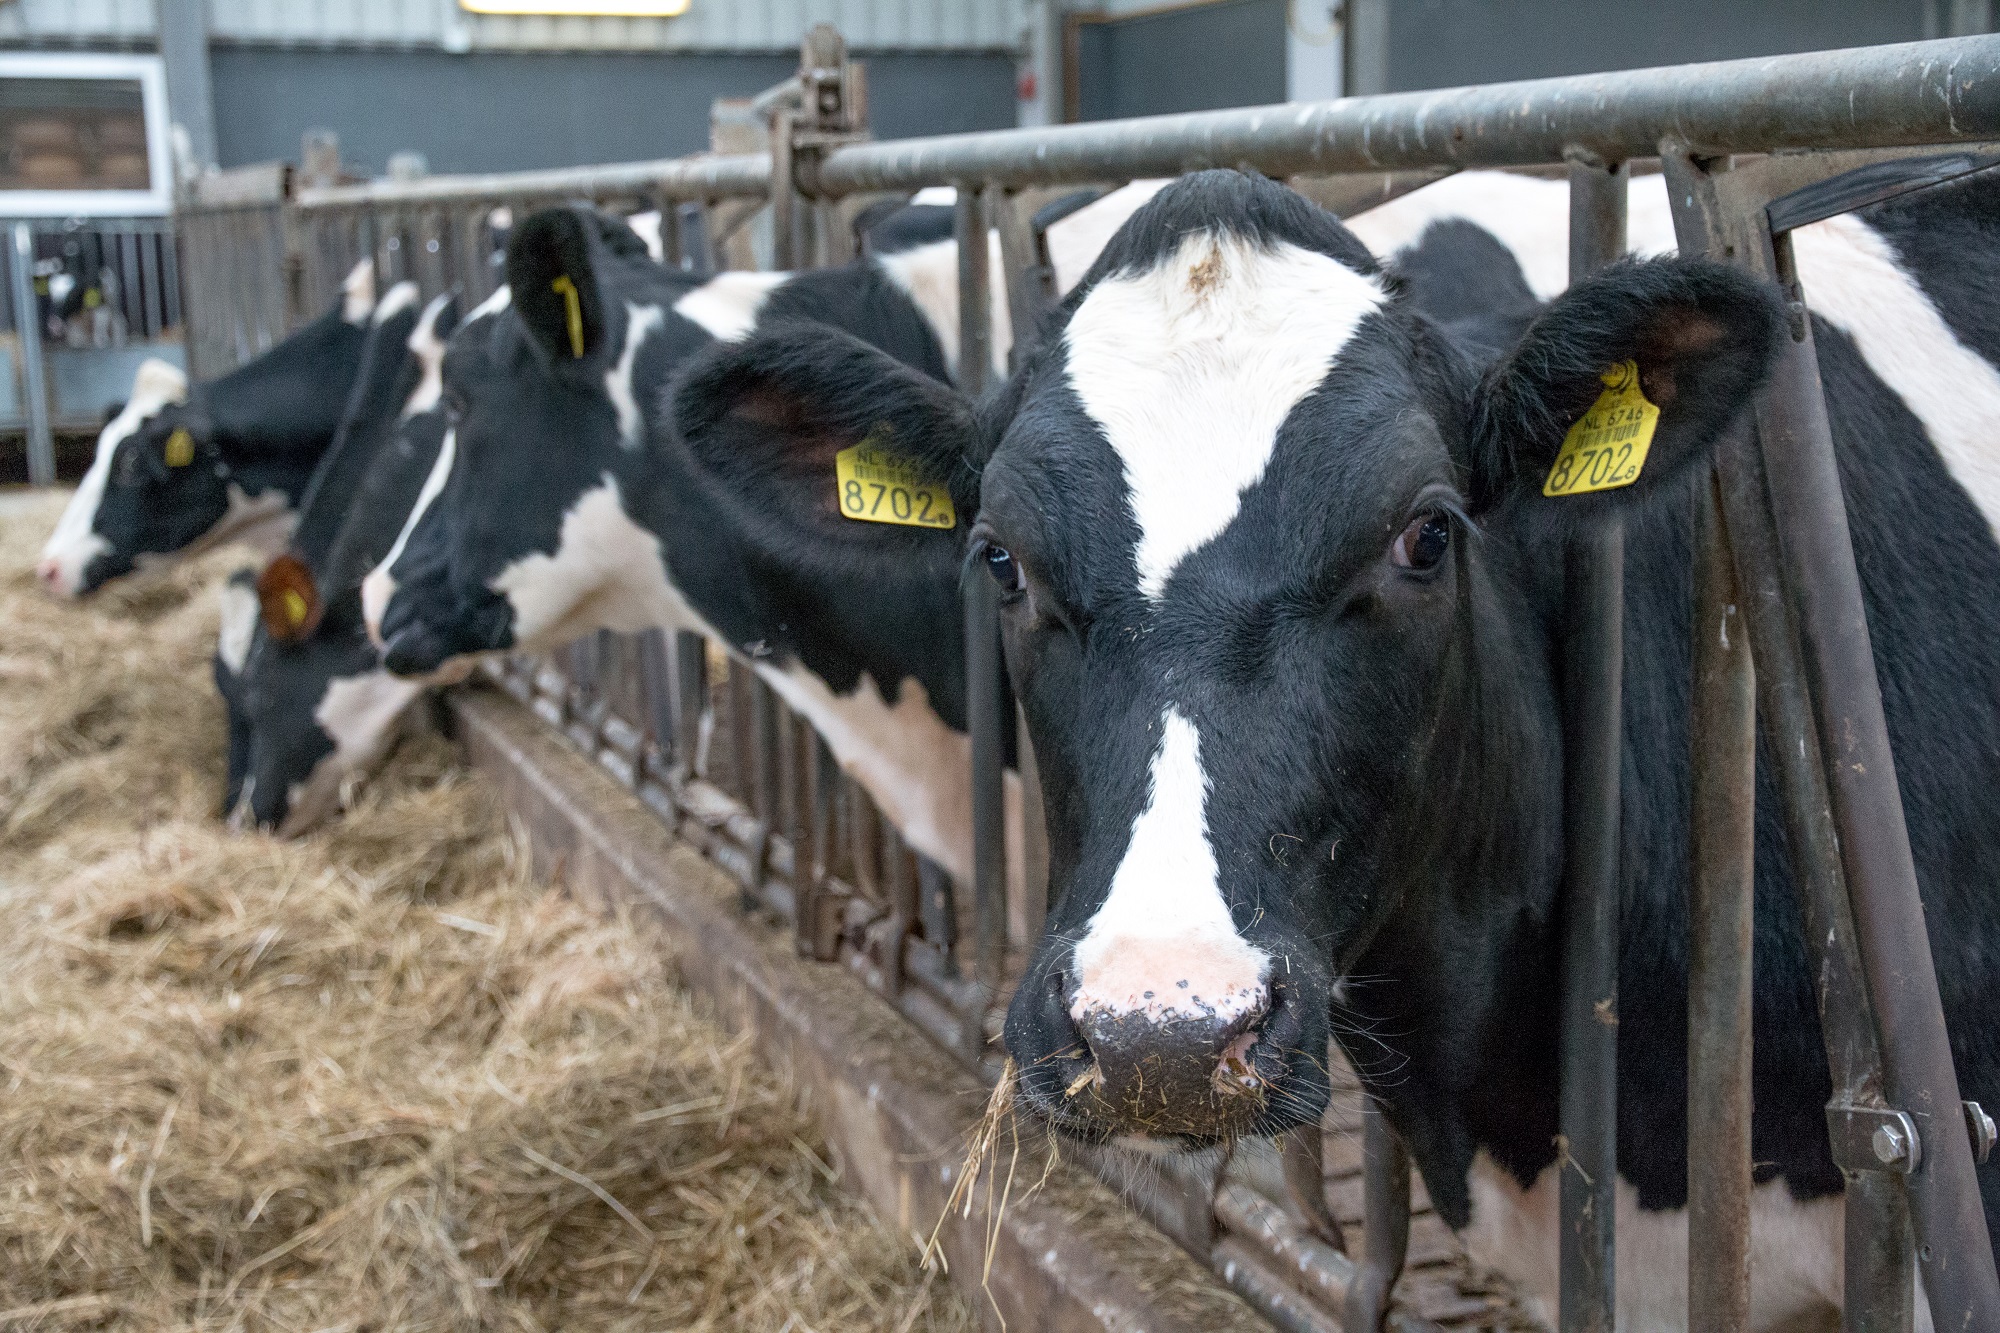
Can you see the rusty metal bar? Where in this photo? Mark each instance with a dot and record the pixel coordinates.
(1912, 92)
(701, 176)
(1723, 732)
(1385, 1234)
(975, 293)
(1593, 675)
(1954, 1251)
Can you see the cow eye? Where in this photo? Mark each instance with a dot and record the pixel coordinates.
(1005, 569)
(1423, 543)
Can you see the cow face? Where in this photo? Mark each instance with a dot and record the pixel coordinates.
(520, 533)
(79, 556)
(1256, 525)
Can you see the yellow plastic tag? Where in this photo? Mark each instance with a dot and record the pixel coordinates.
(295, 606)
(877, 486)
(179, 451)
(573, 312)
(1606, 449)
(93, 299)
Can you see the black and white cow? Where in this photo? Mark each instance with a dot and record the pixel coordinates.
(318, 709)
(1282, 598)
(177, 473)
(557, 508)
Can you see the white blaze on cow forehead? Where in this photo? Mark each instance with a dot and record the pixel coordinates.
(380, 585)
(428, 348)
(727, 305)
(640, 322)
(647, 224)
(1855, 281)
(606, 572)
(360, 715)
(357, 290)
(399, 298)
(503, 296)
(239, 624)
(73, 545)
(1190, 367)
(928, 275)
(1163, 944)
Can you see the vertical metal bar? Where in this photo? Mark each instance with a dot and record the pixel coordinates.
(784, 193)
(975, 292)
(1593, 731)
(1385, 1238)
(690, 703)
(1954, 1250)
(1028, 294)
(988, 712)
(1723, 734)
(34, 382)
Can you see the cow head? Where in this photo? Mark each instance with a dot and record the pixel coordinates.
(1259, 529)
(520, 532)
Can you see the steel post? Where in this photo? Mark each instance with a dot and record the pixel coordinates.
(34, 381)
(1723, 733)
(1954, 1251)
(1593, 744)
(1385, 1236)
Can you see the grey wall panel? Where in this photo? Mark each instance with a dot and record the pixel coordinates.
(493, 112)
(1198, 59)
(1447, 43)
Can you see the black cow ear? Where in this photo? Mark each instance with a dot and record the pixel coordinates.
(554, 285)
(1622, 385)
(805, 432)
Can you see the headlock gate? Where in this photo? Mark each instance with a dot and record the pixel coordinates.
(1751, 150)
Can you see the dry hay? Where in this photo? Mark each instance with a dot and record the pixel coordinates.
(371, 1080)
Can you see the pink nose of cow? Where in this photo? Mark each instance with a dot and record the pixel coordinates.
(49, 571)
(1175, 1069)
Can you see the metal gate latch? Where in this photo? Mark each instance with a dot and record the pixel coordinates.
(1980, 1126)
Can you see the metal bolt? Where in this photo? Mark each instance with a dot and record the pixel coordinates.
(1892, 1145)
(1980, 1126)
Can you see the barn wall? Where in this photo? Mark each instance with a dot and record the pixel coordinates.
(1192, 59)
(491, 111)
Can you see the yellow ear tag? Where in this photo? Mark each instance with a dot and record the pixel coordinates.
(573, 312)
(1606, 449)
(877, 486)
(180, 448)
(295, 607)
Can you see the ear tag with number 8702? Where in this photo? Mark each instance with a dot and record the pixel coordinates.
(877, 486)
(1607, 447)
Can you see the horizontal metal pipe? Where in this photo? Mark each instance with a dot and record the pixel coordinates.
(1879, 96)
(703, 176)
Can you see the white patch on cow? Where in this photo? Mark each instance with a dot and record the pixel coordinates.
(239, 624)
(429, 349)
(1528, 215)
(913, 765)
(606, 572)
(360, 714)
(1795, 1249)
(1163, 944)
(263, 522)
(647, 224)
(727, 305)
(928, 275)
(357, 299)
(73, 545)
(640, 321)
(1854, 280)
(1075, 242)
(1190, 367)
(936, 196)
(400, 298)
(503, 296)
(380, 585)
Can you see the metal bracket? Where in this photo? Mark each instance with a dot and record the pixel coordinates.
(1980, 1126)
(1873, 1138)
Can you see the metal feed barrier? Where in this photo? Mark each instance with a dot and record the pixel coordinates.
(1751, 150)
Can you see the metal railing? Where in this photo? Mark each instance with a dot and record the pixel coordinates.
(1751, 149)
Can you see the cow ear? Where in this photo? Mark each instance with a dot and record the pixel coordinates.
(1622, 385)
(554, 286)
(288, 597)
(804, 431)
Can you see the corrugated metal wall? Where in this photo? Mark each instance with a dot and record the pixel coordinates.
(709, 25)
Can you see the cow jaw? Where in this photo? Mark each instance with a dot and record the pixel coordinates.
(74, 543)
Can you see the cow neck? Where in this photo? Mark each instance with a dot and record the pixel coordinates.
(274, 417)
(389, 375)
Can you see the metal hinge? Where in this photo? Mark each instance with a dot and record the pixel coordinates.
(1875, 1138)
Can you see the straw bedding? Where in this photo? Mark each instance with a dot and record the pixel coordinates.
(371, 1080)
